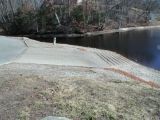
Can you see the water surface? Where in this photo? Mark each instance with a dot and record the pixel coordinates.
(142, 46)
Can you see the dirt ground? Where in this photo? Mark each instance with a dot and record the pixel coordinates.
(32, 92)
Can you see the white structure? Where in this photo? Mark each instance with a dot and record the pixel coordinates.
(79, 2)
(54, 41)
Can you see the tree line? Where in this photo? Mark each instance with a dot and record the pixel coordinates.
(73, 16)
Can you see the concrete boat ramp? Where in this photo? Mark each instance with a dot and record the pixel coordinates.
(67, 55)
(10, 49)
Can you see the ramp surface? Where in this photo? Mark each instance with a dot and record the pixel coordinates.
(10, 49)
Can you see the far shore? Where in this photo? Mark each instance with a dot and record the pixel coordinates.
(48, 36)
(120, 30)
(75, 35)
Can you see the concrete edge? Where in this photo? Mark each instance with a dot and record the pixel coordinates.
(25, 42)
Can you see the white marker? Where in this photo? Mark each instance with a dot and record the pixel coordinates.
(54, 41)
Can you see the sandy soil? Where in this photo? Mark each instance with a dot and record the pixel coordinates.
(32, 91)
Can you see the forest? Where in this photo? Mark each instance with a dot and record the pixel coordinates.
(19, 17)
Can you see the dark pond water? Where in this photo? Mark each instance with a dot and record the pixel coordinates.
(142, 46)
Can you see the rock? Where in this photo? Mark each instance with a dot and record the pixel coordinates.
(55, 118)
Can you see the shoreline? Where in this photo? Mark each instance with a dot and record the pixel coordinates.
(40, 37)
(120, 30)
(96, 33)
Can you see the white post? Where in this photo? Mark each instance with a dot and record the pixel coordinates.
(54, 41)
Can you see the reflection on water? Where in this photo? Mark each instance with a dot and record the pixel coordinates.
(139, 45)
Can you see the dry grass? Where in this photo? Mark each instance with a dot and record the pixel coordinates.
(32, 97)
(86, 99)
